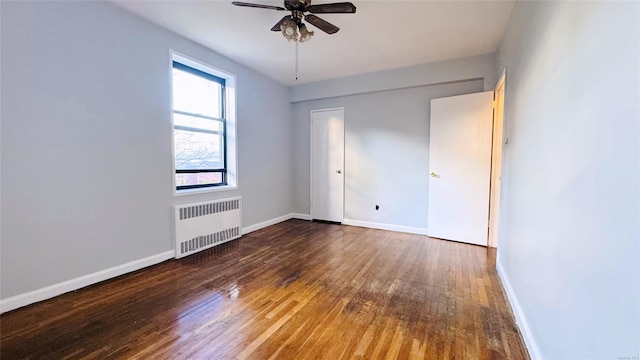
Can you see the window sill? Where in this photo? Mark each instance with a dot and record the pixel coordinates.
(204, 190)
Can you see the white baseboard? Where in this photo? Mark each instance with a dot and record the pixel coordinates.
(48, 292)
(264, 224)
(381, 226)
(279, 219)
(521, 321)
(300, 216)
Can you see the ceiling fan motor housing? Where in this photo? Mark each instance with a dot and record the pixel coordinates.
(296, 4)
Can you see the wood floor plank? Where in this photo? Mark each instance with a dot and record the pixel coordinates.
(295, 290)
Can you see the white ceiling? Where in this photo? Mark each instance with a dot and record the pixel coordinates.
(381, 35)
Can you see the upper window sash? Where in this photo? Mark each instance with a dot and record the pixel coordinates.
(185, 68)
(185, 103)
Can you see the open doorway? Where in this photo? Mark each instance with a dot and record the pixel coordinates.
(496, 161)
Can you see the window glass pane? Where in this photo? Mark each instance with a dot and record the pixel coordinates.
(196, 95)
(196, 150)
(198, 179)
(196, 122)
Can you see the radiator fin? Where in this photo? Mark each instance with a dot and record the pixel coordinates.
(190, 212)
(205, 241)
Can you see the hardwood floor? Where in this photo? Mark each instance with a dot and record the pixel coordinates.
(296, 290)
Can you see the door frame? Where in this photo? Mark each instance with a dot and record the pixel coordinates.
(311, 158)
(493, 235)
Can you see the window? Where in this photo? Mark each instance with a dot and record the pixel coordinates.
(201, 126)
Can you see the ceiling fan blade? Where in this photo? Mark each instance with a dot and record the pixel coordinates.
(323, 25)
(260, 6)
(276, 27)
(335, 8)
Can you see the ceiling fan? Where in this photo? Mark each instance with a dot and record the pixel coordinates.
(290, 24)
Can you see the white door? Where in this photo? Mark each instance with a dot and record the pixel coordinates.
(496, 163)
(327, 164)
(460, 167)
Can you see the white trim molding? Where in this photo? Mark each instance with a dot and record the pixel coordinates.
(300, 216)
(231, 147)
(264, 224)
(521, 320)
(48, 292)
(381, 226)
(279, 219)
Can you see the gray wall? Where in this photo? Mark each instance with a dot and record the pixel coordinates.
(86, 158)
(570, 212)
(473, 67)
(386, 135)
(86, 141)
(386, 152)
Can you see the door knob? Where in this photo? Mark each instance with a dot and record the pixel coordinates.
(339, 171)
(434, 174)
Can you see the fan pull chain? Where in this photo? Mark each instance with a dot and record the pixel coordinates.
(296, 60)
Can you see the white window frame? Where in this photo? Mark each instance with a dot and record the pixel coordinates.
(231, 133)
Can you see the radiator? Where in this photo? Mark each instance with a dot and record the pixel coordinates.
(207, 224)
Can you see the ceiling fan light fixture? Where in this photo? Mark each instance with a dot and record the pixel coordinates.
(289, 30)
(305, 35)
